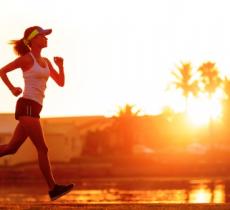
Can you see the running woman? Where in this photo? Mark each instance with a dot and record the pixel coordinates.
(36, 70)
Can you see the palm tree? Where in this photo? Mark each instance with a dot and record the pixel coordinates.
(185, 81)
(210, 78)
(128, 111)
(211, 81)
(125, 126)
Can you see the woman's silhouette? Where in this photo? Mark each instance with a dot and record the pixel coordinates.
(36, 71)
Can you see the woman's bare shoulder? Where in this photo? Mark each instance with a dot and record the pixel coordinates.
(26, 61)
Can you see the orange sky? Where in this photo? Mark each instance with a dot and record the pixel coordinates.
(117, 52)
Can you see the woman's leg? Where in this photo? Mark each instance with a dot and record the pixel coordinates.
(34, 131)
(16, 141)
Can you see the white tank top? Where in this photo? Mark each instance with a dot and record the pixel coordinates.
(35, 81)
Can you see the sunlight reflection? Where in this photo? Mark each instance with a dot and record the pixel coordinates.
(200, 195)
(204, 194)
(124, 196)
(218, 194)
(199, 191)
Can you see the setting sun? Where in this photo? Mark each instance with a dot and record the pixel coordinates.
(127, 100)
(202, 109)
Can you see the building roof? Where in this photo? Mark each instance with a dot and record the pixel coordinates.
(58, 125)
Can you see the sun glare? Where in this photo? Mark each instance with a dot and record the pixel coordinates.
(201, 110)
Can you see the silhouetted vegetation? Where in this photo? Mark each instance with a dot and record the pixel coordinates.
(185, 81)
(130, 133)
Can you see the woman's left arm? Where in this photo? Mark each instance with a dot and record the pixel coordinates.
(58, 77)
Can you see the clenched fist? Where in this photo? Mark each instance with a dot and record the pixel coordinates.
(16, 91)
(58, 61)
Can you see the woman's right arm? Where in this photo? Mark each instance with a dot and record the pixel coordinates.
(10, 67)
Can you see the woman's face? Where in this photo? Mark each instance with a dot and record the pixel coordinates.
(40, 40)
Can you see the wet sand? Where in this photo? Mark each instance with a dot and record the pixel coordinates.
(52, 206)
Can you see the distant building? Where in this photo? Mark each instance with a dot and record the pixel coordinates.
(64, 137)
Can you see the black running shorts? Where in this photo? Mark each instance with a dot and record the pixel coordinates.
(27, 107)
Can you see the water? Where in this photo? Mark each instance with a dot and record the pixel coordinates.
(123, 190)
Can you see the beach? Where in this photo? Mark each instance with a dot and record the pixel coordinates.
(110, 191)
(115, 194)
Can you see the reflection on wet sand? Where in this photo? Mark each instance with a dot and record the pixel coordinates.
(195, 191)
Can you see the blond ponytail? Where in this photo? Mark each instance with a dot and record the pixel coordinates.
(20, 48)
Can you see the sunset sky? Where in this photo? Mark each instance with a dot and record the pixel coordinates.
(116, 52)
